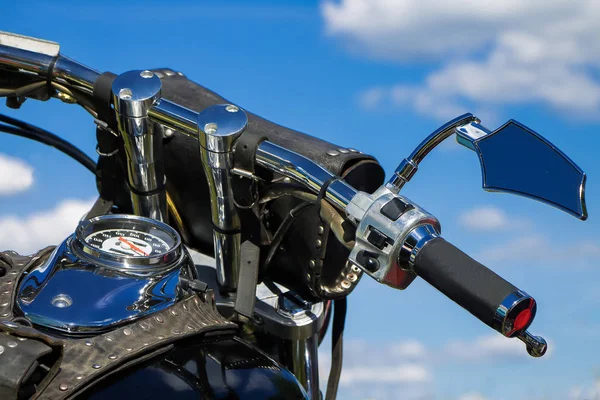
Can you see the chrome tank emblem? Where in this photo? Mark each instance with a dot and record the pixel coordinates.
(86, 292)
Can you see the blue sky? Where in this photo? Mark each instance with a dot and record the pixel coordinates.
(377, 76)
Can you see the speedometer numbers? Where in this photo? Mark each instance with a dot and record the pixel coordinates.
(127, 242)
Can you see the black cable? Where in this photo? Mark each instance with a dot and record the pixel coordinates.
(32, 132)
(337, 347)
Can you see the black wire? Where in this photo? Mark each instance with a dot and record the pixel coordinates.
(32, 132)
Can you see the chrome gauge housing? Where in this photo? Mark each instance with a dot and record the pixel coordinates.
(127, 243)
(113, 270)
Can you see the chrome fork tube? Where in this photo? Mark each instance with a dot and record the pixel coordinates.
(301, 356)
(218, 128)
(134, 93)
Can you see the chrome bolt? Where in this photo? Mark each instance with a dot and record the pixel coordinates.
(352, 277)
(231, 108)
(346, 284)
(146, 74)
(62, 301)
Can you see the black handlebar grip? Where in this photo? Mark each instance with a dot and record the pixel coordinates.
(477, 289)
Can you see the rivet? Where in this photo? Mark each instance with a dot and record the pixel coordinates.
(5, 315)
(159, 319)
(6, 292)
(318, 243)
(185, 307)
(320, 230)
(4, 304)
(79, 377)
(355, 269)
(146, 74)
(125, 94)
(333, 153)
(210, 128)
(344, 151)
(144, 326)
(160, 337)
(1, 349)
(353, 150)
(63, 387)
(9, 282)
(10, 324)
(176, 332)
(128, 348)
(174, 312)
(110, 338)
(231, 108)
(21, 339)
(96, 366)
(61, 301)
(112, 356)
(352, 277)
(190, 327)
(145, 344)
(11, 344)
(14, 273)
(127, 332)
(346, 284)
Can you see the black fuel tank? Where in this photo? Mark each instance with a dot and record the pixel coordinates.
(227, 369)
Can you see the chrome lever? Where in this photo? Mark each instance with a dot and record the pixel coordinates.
(536, 345)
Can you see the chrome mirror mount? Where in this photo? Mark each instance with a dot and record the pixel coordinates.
(514, 159)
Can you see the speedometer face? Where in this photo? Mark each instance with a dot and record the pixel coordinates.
(127, 242)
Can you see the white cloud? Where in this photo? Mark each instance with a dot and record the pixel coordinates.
(484, 218)
(49, 227)
(585, 393)
(15, 175)
(491, 52)
(488, 349)
(472, 396)
(539, 248)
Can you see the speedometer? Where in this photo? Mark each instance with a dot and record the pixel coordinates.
(127, 242)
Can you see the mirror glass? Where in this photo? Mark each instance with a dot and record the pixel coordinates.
(517, 160)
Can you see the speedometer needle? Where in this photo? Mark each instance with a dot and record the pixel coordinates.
(133, 246)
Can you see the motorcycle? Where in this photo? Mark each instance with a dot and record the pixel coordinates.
(222, 246)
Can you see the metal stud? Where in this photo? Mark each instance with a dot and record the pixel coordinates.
(1, 349)
(174, 312)
(8, 283)
(11, 344)
(344, 151)
(346, 284)
(63, 387)
(128, 348)
(110, 338)
(5, 315)
(112, 356)
(320, 230)
(185, 307)
(4, 304)
(89, 343)
(355, 269)
(312, 264)
(145, 344)
(79, 377)
(144, 326)
(21, 339)
(333, 153)
(6, 292)
(127, 332)
(160, 337)
(10, 324)
(191, 328)
(318, 243)
(352, 277)
(159, 318)
(176, 332)
(96, 366)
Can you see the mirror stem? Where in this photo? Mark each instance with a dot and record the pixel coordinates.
(408, 167)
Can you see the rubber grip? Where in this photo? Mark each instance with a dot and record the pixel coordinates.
(470, 284)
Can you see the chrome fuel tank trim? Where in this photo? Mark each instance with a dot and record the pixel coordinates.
(74, 296)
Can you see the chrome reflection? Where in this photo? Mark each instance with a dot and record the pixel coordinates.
(100, 298)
